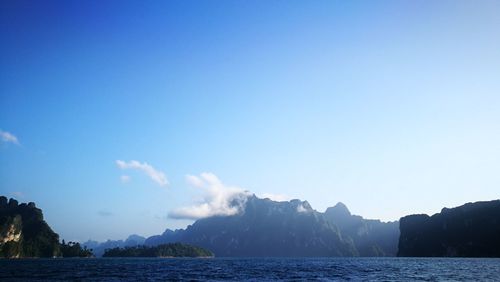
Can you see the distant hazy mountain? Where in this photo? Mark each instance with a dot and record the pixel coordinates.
(269, 228)
(471, 230)
(371, 237)
(99, 248)
(24, 233)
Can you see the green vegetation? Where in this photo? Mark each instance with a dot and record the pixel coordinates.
(73, 249)
(24, 233)
(165, 250)
(470, 230)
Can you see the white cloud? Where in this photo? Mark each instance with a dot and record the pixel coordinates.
(300, 208)
(125, 178)
(194, 181)
(8, 137)
(218, 199)
(276, 197)
(156, 175)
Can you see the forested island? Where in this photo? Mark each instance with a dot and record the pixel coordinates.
(74, 249)
(164, 250)
(470, 230)
(24, 233)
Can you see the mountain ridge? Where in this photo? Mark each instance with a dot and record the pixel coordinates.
(294, 228)
(469, 230)
(270, 228)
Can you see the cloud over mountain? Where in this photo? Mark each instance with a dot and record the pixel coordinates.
(276, 197)
(218, 198)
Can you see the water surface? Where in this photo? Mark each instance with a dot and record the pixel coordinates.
(252, 269)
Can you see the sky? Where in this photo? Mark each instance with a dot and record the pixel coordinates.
(130, 117)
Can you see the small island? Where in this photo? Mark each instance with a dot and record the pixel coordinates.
(171, 250)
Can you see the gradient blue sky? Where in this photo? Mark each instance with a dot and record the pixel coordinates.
(392, 107)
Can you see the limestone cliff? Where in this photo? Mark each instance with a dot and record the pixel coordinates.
(471, 230)
(24, 233)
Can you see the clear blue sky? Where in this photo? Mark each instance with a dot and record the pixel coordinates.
(392, 107)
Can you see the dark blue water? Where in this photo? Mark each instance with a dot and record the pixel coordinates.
(256, 269)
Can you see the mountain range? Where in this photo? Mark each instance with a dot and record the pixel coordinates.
(99, 248)
(281, 229)
(287, 228)
(293, 228)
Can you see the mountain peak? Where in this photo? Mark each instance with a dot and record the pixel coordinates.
(135, 238)
(340, 209)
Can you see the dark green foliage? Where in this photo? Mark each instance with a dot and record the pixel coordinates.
(165, 250)
(73, 249)
(471, 230)
(11, 249)
(37, 238)
(99, 248)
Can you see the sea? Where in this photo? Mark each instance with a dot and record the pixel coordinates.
(251, 269)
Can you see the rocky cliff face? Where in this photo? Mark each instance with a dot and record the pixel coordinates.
(371, 237)
(10, 235)
(471, 230)
(24, 233)
(265, 228)
(268, 228)
(11, 230)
